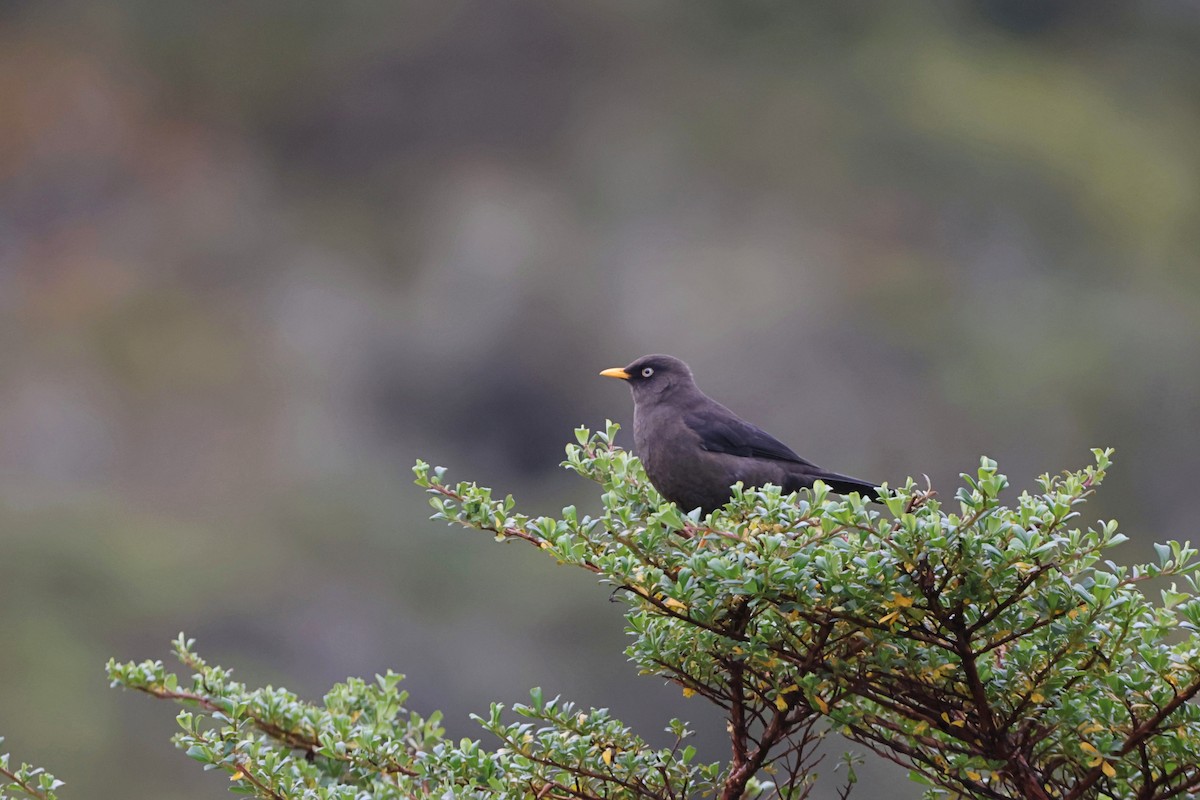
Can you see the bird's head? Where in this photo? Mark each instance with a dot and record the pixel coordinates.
(653, 377)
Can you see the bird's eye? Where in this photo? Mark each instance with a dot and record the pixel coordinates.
(647, 372)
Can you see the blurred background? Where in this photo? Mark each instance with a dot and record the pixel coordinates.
(256, 258)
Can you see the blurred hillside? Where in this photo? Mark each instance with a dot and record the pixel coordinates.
(256, 258)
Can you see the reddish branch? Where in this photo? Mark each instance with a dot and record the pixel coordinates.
(32, 791)
(740, 772)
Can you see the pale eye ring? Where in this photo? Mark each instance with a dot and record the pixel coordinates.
(647, 372)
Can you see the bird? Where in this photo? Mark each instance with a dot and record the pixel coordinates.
(694, 449)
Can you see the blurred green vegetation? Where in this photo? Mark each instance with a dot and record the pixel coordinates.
(256, 258)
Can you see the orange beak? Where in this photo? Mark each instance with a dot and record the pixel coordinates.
(616, 372)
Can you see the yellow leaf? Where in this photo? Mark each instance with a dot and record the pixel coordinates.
(607, 755)
(887, 619)
(1109, 770)
(237, 776)
(1088, 747)
(671, 602)
(821, 704)
(1037, 697)
(945, 717)
(973, 775)
(544, 544)
(901, 601)
(689, 692)
(781, 703)
(920, 728)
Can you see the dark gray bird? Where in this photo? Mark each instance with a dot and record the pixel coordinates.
(694, 448)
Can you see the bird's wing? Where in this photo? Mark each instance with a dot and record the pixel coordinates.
(726, 433)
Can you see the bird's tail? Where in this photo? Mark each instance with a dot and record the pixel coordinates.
(844, 484)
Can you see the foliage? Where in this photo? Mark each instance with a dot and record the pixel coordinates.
(363, 742)
(26, 782)
(994, 650)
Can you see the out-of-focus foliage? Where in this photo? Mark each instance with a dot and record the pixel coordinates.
(25, 782)
(994, 650)
(255, 260)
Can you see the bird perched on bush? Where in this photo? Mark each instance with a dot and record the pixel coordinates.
(694, 449)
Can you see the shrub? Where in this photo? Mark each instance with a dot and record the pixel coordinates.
(995, 651)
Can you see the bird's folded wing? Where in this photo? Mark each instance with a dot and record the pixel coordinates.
(727, 434)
